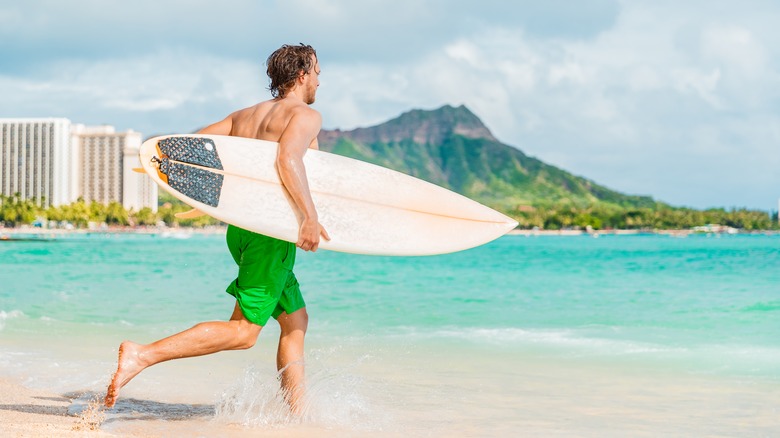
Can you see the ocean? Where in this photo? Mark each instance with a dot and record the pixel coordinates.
(641, 335)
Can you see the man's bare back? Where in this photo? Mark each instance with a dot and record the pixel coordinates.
(267, 120)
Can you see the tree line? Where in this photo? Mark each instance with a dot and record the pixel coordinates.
(660, 217)
(15, 211)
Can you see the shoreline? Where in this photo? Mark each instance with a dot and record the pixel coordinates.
(672, 233)
(220, 229)
(172, 231)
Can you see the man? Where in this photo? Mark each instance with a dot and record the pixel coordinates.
(265, 285)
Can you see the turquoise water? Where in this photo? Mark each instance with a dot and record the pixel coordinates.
(579, 292)
(698, 306)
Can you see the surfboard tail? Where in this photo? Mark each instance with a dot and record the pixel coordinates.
(157, 162)
(191, 214)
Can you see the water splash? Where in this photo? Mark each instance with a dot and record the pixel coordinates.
(334, 398)
(255, 400)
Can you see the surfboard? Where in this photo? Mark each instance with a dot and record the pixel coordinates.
(366, 209)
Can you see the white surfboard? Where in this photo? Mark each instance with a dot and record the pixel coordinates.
(366, 209)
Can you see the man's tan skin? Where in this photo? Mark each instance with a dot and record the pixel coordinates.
(289, 120)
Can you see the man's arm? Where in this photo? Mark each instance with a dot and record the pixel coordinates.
(301, 131)
(223, 127)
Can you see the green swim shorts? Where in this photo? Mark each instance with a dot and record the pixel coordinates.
(266, 285)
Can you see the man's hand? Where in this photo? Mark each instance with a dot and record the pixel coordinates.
(309, 235)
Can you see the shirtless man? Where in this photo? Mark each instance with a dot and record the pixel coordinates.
(266, 285)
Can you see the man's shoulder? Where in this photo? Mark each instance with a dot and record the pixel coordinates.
(248, 111)
(306, 113)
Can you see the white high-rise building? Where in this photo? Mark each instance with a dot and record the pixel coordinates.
(56, 162)
(139, 190)
(106, 162)
(37, 160)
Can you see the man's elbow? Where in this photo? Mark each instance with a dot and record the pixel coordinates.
(286, 163)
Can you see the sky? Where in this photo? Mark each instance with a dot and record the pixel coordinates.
(676, 100)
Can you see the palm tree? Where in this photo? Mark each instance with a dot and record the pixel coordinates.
(116, 214)
(15, 210)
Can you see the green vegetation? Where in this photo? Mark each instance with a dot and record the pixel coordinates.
(169, 206)
(660, 217)
(15, 211)
(552, 216)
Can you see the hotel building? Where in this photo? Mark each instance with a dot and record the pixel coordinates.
(37, 160)
(56, 162)
(105, 167)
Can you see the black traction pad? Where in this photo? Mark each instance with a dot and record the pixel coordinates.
(193, 150)
(198, 184)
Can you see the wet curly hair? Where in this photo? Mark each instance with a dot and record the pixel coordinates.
(286, 64)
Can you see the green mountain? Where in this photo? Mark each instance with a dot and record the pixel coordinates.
(451, 147)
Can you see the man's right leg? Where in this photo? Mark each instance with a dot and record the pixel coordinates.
(201, 339)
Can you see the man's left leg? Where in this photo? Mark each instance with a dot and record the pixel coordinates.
(289, 356)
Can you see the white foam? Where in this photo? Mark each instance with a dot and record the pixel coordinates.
(570, 339)
(333, 398)
(4, 316)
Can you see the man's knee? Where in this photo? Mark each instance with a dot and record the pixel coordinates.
(296, 321)
(246, 334)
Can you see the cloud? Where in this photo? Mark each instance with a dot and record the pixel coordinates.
(37, 31)
(175, 86)
(680, 107)
(676, 100)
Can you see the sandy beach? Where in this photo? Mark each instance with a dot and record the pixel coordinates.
(580, 403)
(26, 412)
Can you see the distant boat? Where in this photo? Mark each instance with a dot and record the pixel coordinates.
(176, 235)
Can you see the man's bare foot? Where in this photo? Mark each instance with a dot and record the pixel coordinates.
(129, 365)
